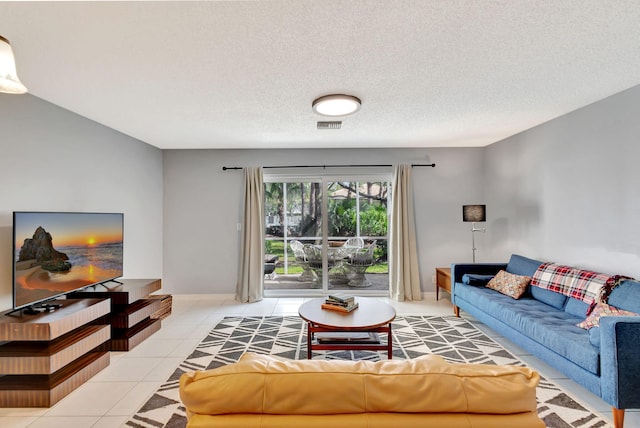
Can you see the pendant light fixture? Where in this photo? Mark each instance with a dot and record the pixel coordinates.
(9, 82)
(336, 105)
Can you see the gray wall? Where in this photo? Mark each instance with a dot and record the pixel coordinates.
(54, 160)
(202, 207)
(567, 190)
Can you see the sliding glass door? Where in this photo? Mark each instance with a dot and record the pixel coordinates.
(325, 234)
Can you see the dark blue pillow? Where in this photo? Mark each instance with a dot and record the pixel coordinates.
(475, 279)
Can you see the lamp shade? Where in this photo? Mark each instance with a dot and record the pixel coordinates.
(9, 82)
(474, 213)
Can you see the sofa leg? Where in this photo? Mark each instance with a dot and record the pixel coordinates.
(618, 417)
(456, 311)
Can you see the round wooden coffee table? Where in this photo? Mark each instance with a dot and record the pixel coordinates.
(359, 329)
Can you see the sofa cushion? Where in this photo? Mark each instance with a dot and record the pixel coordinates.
(268, 385)
(626, 296)
(475, 279)
(549, 297)
(509, 284)
(522, 266)
(603, 310)
(576, 307)
(552, 328)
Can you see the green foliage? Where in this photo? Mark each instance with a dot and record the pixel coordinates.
(342, 218)
(373, 221)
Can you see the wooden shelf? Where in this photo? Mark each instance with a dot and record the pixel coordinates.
(130, 311)
(74, 313)
(45, 391)
(130, 291)
(134, 313)
(23, 357)
(127, 339)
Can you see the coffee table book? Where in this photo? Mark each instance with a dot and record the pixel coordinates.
(363, 337)
(339, 308)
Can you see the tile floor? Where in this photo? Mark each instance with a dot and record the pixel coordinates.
(116, 393)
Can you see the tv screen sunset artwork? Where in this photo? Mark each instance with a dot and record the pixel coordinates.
(56, 253)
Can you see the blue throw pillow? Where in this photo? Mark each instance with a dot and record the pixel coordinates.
(475, 279)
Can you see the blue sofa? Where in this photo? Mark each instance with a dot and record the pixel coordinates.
(604, 359)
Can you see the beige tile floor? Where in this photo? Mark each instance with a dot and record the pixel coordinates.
(116, 393)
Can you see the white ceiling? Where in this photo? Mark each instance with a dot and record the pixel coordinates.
(243, 74)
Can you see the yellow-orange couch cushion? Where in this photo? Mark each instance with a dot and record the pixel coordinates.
(260, 384)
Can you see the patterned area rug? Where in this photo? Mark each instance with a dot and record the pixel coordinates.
(455, 339)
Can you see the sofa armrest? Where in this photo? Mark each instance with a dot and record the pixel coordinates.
(619, 361)
(459, 269)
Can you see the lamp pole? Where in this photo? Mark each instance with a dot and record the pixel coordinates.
(473, 238)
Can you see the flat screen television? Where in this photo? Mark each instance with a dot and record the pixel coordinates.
(56, 253)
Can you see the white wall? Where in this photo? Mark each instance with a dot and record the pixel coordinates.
(567, 190)
(203, 204)
(54, 160)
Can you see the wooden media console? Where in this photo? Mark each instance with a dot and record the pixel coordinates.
(44, 357)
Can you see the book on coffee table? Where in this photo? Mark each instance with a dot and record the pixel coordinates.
(355, 338)
(341, 298)
(339, 308)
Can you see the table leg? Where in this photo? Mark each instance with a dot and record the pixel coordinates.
(308, 341)
(389, 344)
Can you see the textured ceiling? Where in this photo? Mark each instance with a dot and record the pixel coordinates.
(243, 74)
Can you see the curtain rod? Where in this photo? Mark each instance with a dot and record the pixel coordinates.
(225, 168)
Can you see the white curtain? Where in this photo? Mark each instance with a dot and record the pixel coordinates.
(403, 266)
(251, 269)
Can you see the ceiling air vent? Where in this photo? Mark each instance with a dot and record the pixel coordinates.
(334, 124)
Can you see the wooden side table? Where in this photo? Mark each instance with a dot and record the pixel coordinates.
(443, 280)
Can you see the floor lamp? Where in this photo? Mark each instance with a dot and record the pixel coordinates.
(474, 214)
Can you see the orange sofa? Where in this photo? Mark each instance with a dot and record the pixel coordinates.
(264, 391)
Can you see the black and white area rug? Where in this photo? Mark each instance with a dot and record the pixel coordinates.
(455, 339)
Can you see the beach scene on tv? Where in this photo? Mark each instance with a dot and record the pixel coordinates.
(56, 253)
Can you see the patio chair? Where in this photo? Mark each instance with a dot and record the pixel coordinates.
(351, 246)
(307, 274)
(354, 243)
(270, 263)
(313, 256)
(358, 263)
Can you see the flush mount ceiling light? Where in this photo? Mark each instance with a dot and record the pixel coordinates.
(9, 82)
(336, 105)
